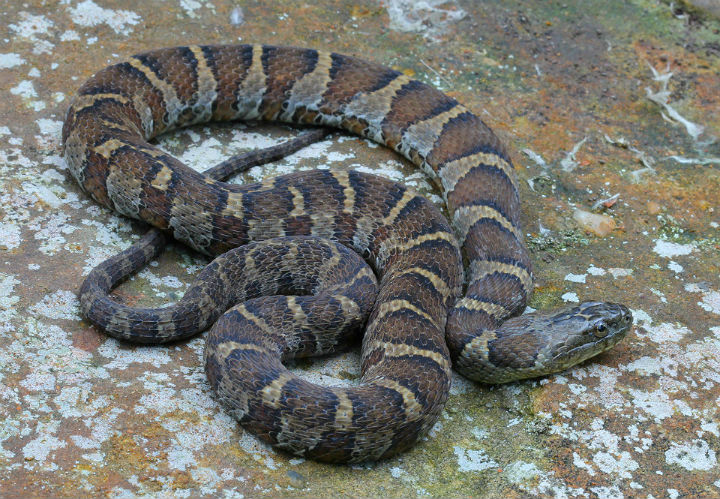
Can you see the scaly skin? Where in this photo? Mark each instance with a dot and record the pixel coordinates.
(419, 322)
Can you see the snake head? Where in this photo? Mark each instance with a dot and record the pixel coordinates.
(585, 330)
(544, 342)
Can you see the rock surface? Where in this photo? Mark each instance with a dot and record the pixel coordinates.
(599, 100)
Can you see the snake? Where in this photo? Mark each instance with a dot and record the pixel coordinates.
(301, 255)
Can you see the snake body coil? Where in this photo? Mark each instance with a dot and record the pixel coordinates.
(409, 244)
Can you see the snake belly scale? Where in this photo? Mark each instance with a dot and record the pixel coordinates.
(427, 314)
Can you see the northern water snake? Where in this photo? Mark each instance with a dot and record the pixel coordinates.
(426, 313)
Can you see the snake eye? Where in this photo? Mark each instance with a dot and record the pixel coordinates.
(600, 329)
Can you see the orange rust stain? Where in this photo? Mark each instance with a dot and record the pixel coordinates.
(126, 453)
(88, 339)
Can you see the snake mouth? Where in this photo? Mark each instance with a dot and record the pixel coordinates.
(590, 349)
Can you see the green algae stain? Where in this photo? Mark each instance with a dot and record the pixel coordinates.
(557, 242)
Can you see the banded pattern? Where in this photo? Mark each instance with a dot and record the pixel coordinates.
(408, 243)
(341, 291)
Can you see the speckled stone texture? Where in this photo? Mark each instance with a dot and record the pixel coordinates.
(607, 107)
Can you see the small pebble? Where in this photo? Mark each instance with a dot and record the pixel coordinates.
(296, 479)
(653, 208)
(237, 17)
(600, 225)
